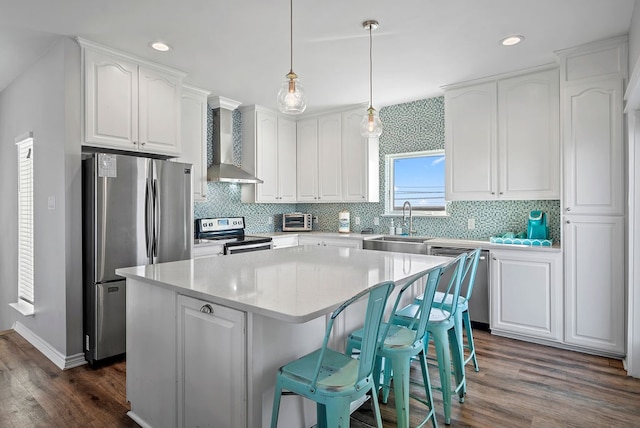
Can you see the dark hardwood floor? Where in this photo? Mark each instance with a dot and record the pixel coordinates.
(519, 385)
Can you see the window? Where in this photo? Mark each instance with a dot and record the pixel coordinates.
(25, 226)
(416, 177)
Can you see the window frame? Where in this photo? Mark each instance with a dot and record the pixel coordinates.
(25, 214)
(389, 167)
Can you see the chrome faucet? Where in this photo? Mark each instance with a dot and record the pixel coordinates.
(404, 217)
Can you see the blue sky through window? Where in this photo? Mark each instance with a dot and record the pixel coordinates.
(420, 180)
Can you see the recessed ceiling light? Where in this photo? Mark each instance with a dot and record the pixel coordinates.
(511, 40)
(160, 46)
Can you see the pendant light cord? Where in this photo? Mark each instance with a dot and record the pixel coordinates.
(370, 68)
(291, 32)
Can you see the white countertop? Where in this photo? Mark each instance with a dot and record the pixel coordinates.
(444, 242)
(295, 284)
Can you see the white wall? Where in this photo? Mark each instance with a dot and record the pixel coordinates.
(45, 99)
(633, 138)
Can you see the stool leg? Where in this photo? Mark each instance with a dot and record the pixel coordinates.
(321, 412)
(458, 364)
(472, 348)
(444, 367)
(276, 404)
(337, 413)
(401, 368)
(427, 388)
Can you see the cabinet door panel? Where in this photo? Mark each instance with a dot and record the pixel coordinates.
(111, 101)
(329, 156)
(211, 365)
(267, 156)
(526, 294)
(529, 136)
(470, 142)
(307, 160)
(354, 159)
(594, 278)
(194, 138)
(159, 113)
(593, 148)
(287, 160)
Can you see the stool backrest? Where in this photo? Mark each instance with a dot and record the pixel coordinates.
(469, 275)
(456, 267)
(378, 295)
(419, 323)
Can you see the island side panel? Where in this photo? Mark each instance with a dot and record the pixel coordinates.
(151, 354)
(271, 344)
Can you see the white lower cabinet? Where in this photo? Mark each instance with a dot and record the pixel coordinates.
(526, 293)
(284, 241)
(330, 242)
(212, 386)
(594, 282)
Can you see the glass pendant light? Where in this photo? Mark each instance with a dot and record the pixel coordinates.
(371, 126)
(291, 97)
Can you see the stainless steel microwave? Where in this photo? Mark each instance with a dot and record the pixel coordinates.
(296, 222)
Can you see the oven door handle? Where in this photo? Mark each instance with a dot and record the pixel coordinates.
(248, 247)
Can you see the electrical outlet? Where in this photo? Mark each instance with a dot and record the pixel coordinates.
(270, 220)
(315, 219)
(376, 221)
(357, 220)
(471, 223)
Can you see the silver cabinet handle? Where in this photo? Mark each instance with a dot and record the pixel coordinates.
(206, 309)
(568, 222)
(568, 208)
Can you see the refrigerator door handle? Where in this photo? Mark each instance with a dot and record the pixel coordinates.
(156, 220)
(148, 209)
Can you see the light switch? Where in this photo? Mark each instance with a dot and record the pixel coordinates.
(51, 202)
(357, 220)
(376, 221)
(471, 223)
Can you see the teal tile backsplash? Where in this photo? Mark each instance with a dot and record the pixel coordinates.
(408, 127)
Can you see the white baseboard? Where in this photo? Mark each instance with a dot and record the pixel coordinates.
(62, 361)
(138, 419)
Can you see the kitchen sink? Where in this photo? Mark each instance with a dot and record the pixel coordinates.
(399, 243)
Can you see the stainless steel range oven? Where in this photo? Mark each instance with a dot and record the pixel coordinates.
(229, 232)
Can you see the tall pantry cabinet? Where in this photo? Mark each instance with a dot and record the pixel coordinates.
(591, 81)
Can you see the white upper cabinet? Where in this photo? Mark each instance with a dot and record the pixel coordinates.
(319, 159)
(329, 158)
(471, 142)
(529, 136)
(502, 139)
(194, 137)
(335, 163)
(130, 105)
(269, 152)
(360, 161)
(593, 148)
(307, 159)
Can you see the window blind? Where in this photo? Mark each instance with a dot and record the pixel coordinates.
(25, 220)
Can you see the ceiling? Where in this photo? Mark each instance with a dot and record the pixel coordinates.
(240, 49)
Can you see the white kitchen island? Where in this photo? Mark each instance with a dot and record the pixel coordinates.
(206, 336)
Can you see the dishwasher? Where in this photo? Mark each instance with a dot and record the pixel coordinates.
(479, 301)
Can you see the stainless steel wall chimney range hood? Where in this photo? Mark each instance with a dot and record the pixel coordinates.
(222, 168)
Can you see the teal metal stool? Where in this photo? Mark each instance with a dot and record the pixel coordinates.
(462, 313)
(441, 327)
(400, 345)
(332, 379)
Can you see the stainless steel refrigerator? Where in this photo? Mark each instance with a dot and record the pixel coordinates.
(136, 211)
